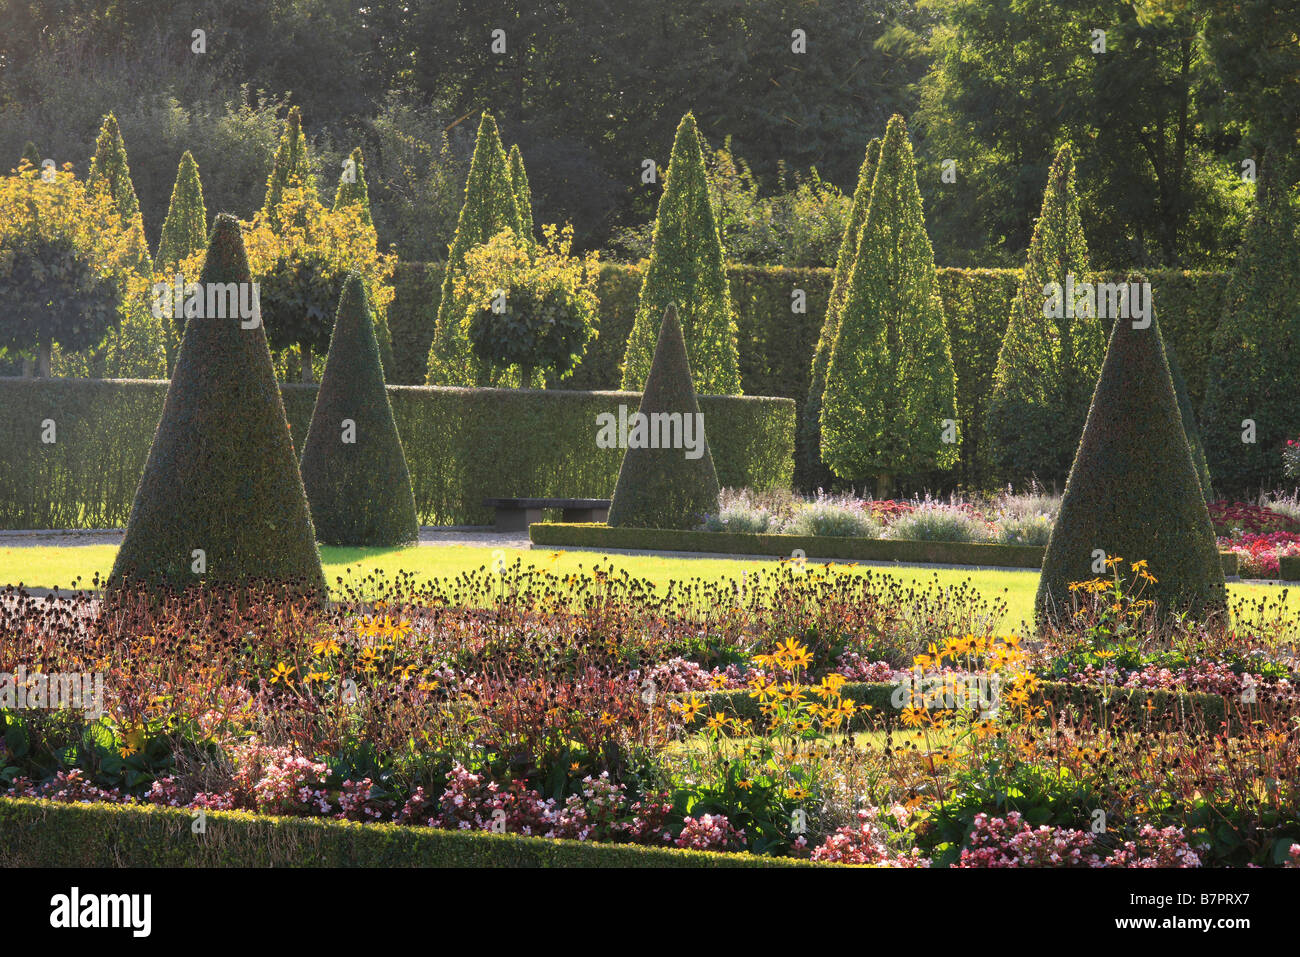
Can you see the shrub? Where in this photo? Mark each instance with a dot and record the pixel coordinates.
(1047, 367)
(109, 173)
(1190, 428)
(352, 189)
(1252, 368)
(686, 270)
(661, 487)
(353, 466)
(936, 522)
(814, 471)
(890, 384)
(221, 475)
(1133, 491)
(490, 206)
(291, 169)
(826, 515)
(1029, 530)
(523, 193)
(185, 230)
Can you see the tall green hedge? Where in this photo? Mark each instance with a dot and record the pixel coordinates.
(353, 466)
(185, 230)
(355, 192)
(221, 476)
(687, 269)
(461, 445)
(523, 192)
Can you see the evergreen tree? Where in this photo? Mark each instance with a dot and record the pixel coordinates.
(1048, 365)
(291, 167)
(1133, 493)
(663, 487)
(111, 174)
(185, 230)
(1190, 428)
(813, 469)
(687, 269)
(354, 193)
(523, 193)
(490, 206)
(1252, 374)
(221, 499)
(890, 383)
(353, 465)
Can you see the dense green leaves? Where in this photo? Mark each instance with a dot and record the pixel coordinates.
(185, 230)
(1048, 365)
(523, 192)
(353, 465)
(666, 484)
(686, 270)
(352, 189)
(890, 403)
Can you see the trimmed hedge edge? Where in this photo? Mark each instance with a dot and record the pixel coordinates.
(40, 833)
(1288, 568)
(596, 535)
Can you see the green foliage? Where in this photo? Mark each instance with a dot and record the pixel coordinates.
(185, 230)
(663, 487)
(354, 192)
(32, 155)
(357, 485)
(461, 445)
(490, 206)
(1190, 428)
(1047, 366)
(411, 315)
(686, 270)
(221, 475)
(1133, 492)
(814, 471)
(1252, 369)
(530, 306)
(523, 192)
(890, 382)
(109, 170)
(291, 168)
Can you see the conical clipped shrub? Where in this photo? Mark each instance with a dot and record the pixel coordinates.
(111, 174)
(1252, 374)
(1133, 493)
(353, 465)
(291, 167)
(1190, 427)
(185, 230)
(356, 192)
(523, 193)
(891, 391)
(32, 155)
(687, 269)
(1047, 366)
(663, 487)
(490, 206)
(220, 498)
(813, 470)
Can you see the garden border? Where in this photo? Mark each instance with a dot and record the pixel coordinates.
(41, 833)
(986, 555)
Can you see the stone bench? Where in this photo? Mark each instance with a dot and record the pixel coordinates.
(516, 514)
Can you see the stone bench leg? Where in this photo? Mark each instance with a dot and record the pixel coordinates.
(584, 514)
(517, 519)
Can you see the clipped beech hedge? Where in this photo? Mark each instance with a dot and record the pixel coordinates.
(1288, 568)
(37, 833)
(462, 445)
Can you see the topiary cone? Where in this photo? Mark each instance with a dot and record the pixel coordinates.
(1133, 491)
(662, 488)
(353, 465)
(221, 478)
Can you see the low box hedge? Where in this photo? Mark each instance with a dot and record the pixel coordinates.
(597, 535)
(1288, 568)
(38, 833)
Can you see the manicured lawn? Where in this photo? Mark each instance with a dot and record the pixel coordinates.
(45, 567)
